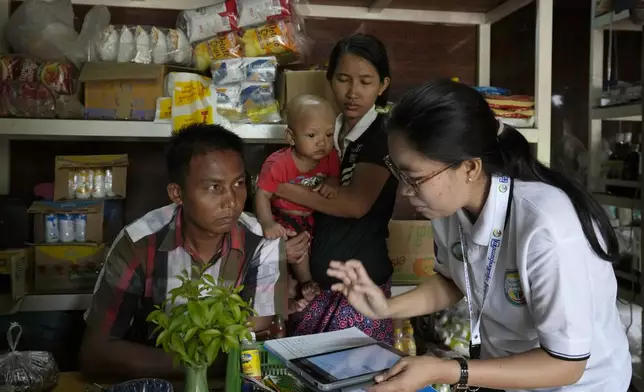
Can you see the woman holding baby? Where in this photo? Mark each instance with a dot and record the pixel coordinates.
(351, 219)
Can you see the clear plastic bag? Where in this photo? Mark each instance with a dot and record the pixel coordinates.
(258, 103)
(44, 29)
(228, 71)
(206, 22)
(26, 371)
(144, 45)
(258, 12)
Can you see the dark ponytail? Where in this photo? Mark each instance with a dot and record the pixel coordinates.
(367, 47)
(451, 123)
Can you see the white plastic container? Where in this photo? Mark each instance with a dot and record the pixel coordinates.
(51, 228)
(80, 227)
(66, 227)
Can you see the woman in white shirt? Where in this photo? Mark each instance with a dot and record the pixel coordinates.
(530, 249)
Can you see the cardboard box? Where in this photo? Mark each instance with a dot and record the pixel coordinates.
(124, 91)
(411, 251)
(67, 268)
(291, 83)
(66, 165)
(13, 278)
(92, 208)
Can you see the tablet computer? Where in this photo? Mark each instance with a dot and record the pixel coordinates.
(348, 367)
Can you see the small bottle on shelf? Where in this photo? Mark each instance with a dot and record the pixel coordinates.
(398, 339)
(409, 340)
(278, 327)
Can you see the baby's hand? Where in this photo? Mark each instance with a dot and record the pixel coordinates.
(310, 290)
(328, 191)
(274, 231)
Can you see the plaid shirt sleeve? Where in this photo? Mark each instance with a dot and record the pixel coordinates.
(119, 289)
(267, 278)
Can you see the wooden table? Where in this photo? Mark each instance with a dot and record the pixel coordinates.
(75, 382)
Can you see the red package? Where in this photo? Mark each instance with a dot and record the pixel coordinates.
(258, 12)
(57, 76)
(28, 71)
(10, 67)
(26, 99)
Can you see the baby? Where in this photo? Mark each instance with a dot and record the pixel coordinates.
(311, 161)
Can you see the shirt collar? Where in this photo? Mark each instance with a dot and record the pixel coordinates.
(481, 229)
(361, 126)
(174, 237)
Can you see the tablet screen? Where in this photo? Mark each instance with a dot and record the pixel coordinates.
(355, 362)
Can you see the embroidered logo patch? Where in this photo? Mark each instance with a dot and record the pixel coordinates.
(503, 188)
(497, 232)
(512, 288)
(457, 250)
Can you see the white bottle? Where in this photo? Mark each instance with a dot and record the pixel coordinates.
(80, 227)
(51, 228)
(66, 227)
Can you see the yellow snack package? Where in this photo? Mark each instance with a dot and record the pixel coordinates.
(193, 99)
(223, 46)
(270, 39)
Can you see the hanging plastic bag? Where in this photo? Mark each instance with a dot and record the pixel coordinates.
(258, 12)
(205, 22)
(44, 29)
(26, 371)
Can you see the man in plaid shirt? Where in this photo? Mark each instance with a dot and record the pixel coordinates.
(205, 226)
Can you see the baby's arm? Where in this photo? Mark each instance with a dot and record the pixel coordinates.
(329, 188)
(271, 229)
(302, 271)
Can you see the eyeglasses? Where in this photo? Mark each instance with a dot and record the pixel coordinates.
(413, 183)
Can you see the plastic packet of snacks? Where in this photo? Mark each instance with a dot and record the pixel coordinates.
(223, 46)
(206, 22)
(271, 39)
(257, 12)
(163, 112)
(258, 103)
(193, 99)
(260, 69)
(228, 102)
(228, 71)
(145, 45)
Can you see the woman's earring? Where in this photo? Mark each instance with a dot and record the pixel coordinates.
(469, 180)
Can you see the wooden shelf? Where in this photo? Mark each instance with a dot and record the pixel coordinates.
(631, 112)
(23, 128)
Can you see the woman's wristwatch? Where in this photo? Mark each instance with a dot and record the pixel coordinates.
(461, 385)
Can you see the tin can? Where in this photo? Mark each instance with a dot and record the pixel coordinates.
(51, 228)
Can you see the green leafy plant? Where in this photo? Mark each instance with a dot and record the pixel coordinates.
(214, 319)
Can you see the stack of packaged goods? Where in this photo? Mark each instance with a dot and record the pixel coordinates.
(70, 233)
(241, 43)
(514, 110)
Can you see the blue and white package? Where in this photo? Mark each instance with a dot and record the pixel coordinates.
(260, 69)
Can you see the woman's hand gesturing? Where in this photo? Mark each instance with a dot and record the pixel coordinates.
(361, 292)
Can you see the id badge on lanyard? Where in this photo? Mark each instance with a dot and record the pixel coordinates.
(503, 187)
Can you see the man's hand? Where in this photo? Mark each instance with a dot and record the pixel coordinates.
(297, 247)
(413, 373)
(327, 190)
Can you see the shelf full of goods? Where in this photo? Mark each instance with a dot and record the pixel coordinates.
(218, 65)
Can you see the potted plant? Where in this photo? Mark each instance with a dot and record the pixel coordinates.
(201, 318)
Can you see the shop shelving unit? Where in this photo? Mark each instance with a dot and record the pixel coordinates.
(482, 13)
(615, 21)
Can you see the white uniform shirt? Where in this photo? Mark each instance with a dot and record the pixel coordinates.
(549, 289)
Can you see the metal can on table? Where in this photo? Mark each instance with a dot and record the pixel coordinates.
(80, 227)
(51, 228)
(66, 226)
